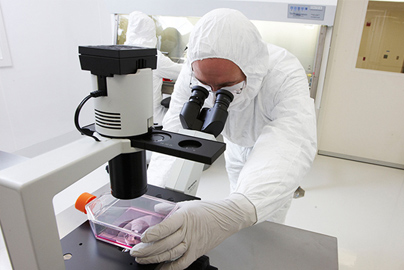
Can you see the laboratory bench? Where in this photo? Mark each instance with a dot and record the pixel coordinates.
(263, 246)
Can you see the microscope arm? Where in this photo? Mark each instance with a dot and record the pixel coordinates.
(26, 192)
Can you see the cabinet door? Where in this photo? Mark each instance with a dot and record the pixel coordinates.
(362, 110)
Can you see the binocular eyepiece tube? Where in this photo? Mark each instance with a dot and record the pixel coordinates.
(198, 95)
(224, 97)
(207, 120)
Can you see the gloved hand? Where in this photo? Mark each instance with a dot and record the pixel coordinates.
(138, 225)
(194, 229)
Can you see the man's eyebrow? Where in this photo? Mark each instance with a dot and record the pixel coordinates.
(222, 84)
(228, 83)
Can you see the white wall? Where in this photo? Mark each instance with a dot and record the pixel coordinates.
(41, 90)
(361, 114)
(300, 39)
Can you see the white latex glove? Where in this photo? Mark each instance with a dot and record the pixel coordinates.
(194, 229)
(138, 225)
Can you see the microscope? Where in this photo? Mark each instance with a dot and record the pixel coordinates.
(123, 130)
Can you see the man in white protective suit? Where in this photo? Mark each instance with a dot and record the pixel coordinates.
(270, 136)
(142, 32)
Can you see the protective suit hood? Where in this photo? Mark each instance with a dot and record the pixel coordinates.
(228, 34)
(141, 30)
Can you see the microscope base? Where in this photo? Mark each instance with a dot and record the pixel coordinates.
(86, 252)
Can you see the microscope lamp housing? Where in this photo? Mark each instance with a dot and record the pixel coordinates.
(124, 74)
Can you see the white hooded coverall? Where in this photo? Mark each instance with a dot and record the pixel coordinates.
(270, 132)
(142, 32)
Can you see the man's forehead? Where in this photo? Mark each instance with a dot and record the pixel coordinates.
(215, 65)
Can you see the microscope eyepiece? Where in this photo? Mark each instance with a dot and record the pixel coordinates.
(224, 97)
(198, 95)
(190, 112)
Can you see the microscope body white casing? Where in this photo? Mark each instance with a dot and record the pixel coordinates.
(185, 175)
(127, 110)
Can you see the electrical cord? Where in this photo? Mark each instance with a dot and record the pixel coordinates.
(86, 131)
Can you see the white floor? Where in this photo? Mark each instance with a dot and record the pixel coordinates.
(360, 204)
